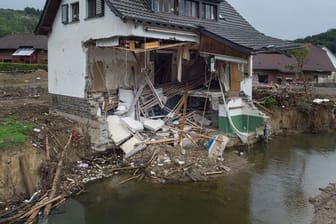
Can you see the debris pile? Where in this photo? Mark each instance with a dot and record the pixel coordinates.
(155, 116)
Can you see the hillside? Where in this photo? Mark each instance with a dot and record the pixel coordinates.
(327, 39)
(18, 21)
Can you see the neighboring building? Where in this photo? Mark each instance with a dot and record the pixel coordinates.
(99, 48)
(279, 68)
(24, 48)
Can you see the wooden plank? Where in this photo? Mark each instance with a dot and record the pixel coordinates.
(150, 45)
(166, 140)
(236, 77)
(183, 120)
(139, 50)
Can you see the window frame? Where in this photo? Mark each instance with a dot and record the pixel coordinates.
(75, 19)
(191, 8)
(165, 6)
(201, 9)
(213, 13)
(92, 8)
(65, 13)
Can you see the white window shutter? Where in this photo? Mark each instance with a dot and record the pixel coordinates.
(65, 14)
(99, 7)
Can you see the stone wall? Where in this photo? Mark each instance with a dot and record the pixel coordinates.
(71, 105)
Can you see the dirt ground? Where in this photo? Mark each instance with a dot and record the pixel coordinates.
(24, 85)
(35, 111)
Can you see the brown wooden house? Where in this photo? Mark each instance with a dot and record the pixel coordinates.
(24, 48)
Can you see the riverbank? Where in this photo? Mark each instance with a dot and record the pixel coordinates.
(293, 113)
(53, 135)
(325, 205)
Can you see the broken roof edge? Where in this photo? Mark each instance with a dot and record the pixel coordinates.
(240, 48)
(136, 50)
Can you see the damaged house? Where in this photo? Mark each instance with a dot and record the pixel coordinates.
(127, 66)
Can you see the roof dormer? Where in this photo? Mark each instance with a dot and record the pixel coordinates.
(201, 9)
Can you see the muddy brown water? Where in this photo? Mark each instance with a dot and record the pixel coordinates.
(287, 172)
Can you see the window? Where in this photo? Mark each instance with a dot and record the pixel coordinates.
(95, 8)
(166, 6)
(65, 14)
(191, 8)
(209, 11)
(75, 12)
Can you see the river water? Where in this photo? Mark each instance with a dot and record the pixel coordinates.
(276, 190)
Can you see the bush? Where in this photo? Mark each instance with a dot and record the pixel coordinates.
(269, 101)
(4, 66)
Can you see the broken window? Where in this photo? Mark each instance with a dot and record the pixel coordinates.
(75, 11)
(209, 11)
(65, 14)
(95, 8)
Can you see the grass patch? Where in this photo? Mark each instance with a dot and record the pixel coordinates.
(12, 132)
(4, 66)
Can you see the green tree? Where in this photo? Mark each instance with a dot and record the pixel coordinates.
(327, 39)
(300, 55)
(18, 21)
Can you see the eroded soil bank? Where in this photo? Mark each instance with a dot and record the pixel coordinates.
(292, 113)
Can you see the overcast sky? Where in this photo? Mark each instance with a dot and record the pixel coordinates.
(286, 19)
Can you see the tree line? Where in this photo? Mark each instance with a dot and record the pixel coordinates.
(327, 39)
(18, 21)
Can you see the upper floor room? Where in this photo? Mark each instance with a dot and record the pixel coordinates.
(201, 9)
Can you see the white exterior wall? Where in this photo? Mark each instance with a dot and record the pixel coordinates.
(332, 58)
(67, 63)
(246, 83)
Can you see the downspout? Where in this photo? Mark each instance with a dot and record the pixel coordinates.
(250, 65)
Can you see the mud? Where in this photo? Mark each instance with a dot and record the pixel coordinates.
(325, 205)
(24, 85)
(32, 111)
